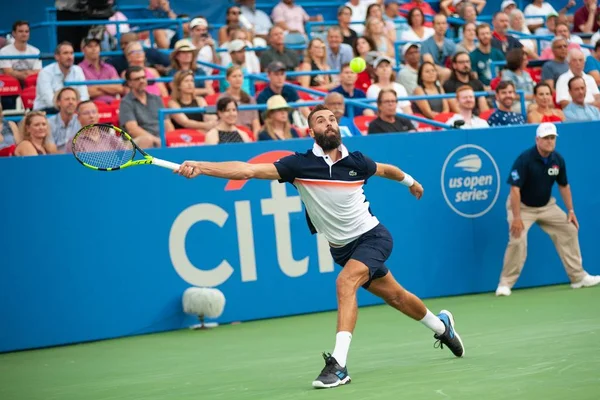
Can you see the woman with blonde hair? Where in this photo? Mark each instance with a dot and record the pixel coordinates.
(183, 58)
(375, 11)
(315, 59)
(374, 29)
(183, 96)
(34, 131)
(134, 53)
(277, 122)
(235, 79)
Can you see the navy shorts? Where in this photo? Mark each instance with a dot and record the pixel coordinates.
(372, 248)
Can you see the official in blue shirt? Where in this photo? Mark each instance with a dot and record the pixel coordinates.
(505, 97)
(531, 178)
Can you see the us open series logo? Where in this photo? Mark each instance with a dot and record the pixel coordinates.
(470, 181)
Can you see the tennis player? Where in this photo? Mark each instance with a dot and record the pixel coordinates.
(330, 182)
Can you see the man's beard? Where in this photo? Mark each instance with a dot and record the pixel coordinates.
(329, 142)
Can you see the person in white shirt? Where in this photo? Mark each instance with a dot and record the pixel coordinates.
(417, 32)
(359, 15)
(384, 79)
(538, 8)
(20, 68)
(576, 64)
(204, 43)
(256, 20)
(465, 97)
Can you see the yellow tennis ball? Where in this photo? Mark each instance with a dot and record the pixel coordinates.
(358, 65)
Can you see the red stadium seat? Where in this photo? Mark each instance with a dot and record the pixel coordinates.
(211, 99)
(184, 137)
(28, 96)
(443, 117)
(422, 126)
(259, 86)
(494, 82)
(31, 80)
(486, 114)
(302, 132)
(8, 151)
(9, 86)
(362, 122)
(248, 131)
(108, 113)
(309, 97)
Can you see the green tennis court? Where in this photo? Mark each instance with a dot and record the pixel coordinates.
(536, 344)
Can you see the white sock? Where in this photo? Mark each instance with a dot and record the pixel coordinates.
(342, 345)
(433, 323)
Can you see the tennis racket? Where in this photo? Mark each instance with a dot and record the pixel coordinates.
(105, 147)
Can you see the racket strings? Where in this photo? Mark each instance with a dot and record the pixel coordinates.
(103, 147)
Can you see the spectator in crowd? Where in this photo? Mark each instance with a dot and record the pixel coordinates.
(544, 110)
(516, 72)
(251, 61)
(596, 36)
(232, 21)
(407, 77)
(137, 58)
(87, 114)
(438, 49)
(184, 96)
(576, 64)
(183, 58)
(391, 13)
(237, 52)
(530, 201)
(548, 30)
(462, 75)
(359, 15)
(592, 64)
(557, 66)
(500, 37)
(138, 111)
(505, 97)
(385, 79)
(348, 89)
(578, 110)
(417, 31)
(420, 4)
(258, 20)
(161, 9)
(291, 17)
(365, 49)
(338, 53)
(64, 125)
(374, 30)
(20, 68)
(52, 77)
(485, 54)
(586, 17)
(95, 69)
(344, 16)
(468, 39)
(538, 8)
(387, 121)
(276, 76)
(185, 28)
(277, 123)
(247, 118)
(573, 42)
(34, 131)
(154, 58)
(9, 135)
(277, 51)
(429, 84)
(205, 44)
(374, 11)
(507, 6)
(335, 103)
(315, 59)
(465, 99)
(226, 130)
(517, 24)
(468, 12)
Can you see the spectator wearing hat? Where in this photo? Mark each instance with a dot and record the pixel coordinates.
(183, 58)
(385, 79)
(549, 29)
(64, 125)
(344, 15)
(348, 90)
(558, 65)
(507, 6)
(235, 81)
(276, 75)
(576, 65)
(278, 52)
(365, 48)
(338, 53)
(237, 53)
(505, 97)
(428, 83)
(408, 75)
(277, 123)
(530, 201)
(463, 75)
(184, 95)
(484, 54)
(95, 69)
(578, 110)
(465, 100)
(205, 44)
(592, 64)
(387, 121)
(251, 63)
(586, 17)
(20, 68)
(438, 49)
(335, 103)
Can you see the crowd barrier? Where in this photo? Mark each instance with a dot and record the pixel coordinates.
(103, 255)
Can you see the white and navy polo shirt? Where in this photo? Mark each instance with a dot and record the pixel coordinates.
(332, 192)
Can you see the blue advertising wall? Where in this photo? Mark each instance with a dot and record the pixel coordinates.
(89, 255)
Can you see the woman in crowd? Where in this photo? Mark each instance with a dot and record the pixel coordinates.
(232, 21)
(374, 11)
(9, 135)
(277, 123)
(374, 30)
(183, 58)
(226, 130)
(344, 16)
(134, 53)
(386, 79)
(34, 131)
(516, 72)
(184, 96)
(315, 59)
(428, 83)
(363, 48)
(417, 31)
(544, 109)
(467, 44)
(247, 118)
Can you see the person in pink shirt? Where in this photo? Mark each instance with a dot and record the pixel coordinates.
(422, 5)
(291, 17)
(562, 30)
(96, 69)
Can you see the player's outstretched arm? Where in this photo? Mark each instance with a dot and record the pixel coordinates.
(396, 174)
(235, 170)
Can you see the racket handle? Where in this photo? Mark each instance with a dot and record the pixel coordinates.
(165, 164)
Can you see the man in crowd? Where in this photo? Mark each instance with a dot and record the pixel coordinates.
(20, 68)
(276, 75)
(95, 69)
(505, 97)
(338, 53)
(387, 121)
(578, 110)
(462, 75)
(348, 89)
(438, 48)
(465, 99)
(64, 125)
(484, 54)
(407, 77)
(576, 64)
(553, 69)
(278, 52)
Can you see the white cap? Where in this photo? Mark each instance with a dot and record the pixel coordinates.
(236, 45)
(381, 59)
(408, 46)
(546, 129)
(198, 22)
(507, 3)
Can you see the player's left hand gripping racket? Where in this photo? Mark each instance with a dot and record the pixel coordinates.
(105, 147)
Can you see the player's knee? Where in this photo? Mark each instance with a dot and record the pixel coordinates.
(349, 282)
(397, 298)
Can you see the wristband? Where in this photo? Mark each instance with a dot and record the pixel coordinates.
(408, 180)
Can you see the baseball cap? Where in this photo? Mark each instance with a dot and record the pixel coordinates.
(198, 22)
(546, 129)
(276, 66)
(391, 2)
(236, 45)
(381, 59)
(552, 14)
(89, 40)
(507, 3)
(371, 56)
(407, 47)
